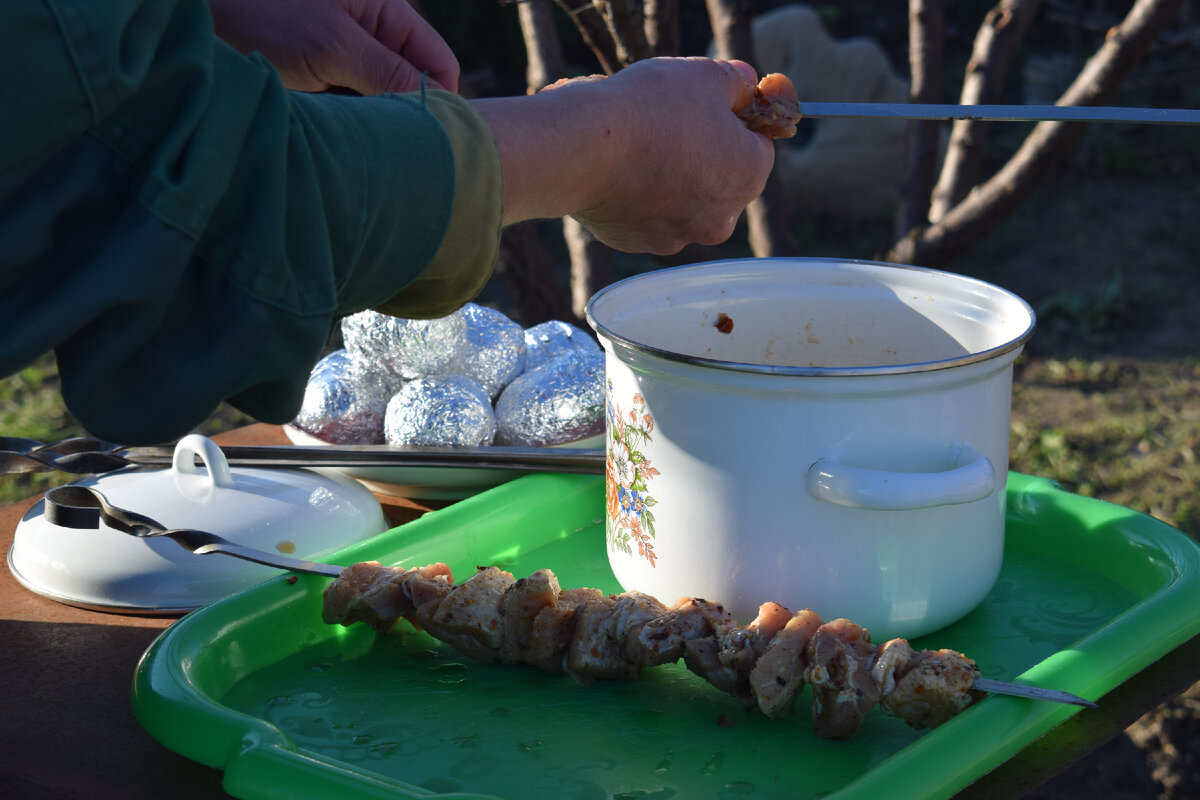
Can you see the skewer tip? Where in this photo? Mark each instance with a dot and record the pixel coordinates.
(1031, 692)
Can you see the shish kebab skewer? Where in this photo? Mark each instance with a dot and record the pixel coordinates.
(776, 110)
(592, 636)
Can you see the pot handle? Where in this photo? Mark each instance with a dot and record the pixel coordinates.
(858, 487)
(192, 445)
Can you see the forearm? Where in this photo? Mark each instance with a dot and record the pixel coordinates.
(556, 149)
(649, 160)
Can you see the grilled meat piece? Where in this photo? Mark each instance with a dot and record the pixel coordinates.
(775, 109)
(930, 686)
(470, 619)
(553, 629)
(661, 640)
(727, 659)
(779, 674)
(527, 598)
(840, 657)
(378, 596)
(602, 627)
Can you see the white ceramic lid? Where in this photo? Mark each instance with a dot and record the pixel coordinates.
(303, 513)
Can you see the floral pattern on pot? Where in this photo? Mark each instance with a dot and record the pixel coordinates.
(628, 473)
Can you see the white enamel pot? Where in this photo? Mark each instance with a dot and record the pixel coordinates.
(826, 434)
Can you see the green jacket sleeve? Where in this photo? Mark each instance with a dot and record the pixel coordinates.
(182, 230)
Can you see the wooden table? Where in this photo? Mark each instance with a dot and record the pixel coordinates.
(68, 729)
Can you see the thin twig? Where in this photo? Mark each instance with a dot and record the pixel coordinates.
(1002, 29)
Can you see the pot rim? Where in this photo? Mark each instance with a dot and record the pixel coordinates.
(809, 371)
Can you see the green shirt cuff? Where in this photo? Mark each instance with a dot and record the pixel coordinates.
(468, 252)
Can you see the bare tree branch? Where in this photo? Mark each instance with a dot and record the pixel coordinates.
(591, 264)
(594, 31)
(731, 27)
(926, 35)
(591, 261)
(544, 63)
(1044, 149)
(527, 269)
(627, 27)
(1002, 29)
(765, 216)
(662, 26)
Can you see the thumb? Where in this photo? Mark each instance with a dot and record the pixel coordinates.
(742, 84)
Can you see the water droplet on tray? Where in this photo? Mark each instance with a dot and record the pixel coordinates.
(738, 788)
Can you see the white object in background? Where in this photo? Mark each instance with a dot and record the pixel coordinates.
(849, 168)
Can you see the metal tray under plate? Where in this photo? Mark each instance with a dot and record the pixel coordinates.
(288, 707)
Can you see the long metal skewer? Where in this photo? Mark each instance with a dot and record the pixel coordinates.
(1001, 113)
(92, 456)
(75, 506)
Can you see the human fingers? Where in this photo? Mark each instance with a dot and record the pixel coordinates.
(692, 166)
(366, 66)
(401, 29)
(741, 89)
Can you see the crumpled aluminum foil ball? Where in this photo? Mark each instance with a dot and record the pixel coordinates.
(408, 348)
(562, 401)
(494, 352)
(547, 341)
(452, 412)
(342, 403)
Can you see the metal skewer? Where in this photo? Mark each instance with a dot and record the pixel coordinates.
(1001, 113)
(92, 456)
(83, 507)
(1032, 692)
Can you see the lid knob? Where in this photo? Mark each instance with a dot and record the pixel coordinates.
(193, 445)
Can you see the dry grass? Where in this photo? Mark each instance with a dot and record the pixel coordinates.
(1126, 431)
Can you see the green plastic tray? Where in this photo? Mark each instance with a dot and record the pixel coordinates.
(256, 685)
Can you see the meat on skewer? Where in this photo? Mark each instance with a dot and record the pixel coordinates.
(775, 109)
(593, 636)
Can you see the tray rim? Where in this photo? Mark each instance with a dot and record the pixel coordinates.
(249, 745)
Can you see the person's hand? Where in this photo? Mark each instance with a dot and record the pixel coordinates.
(691, 166)
(368, 46)
(649, 160)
